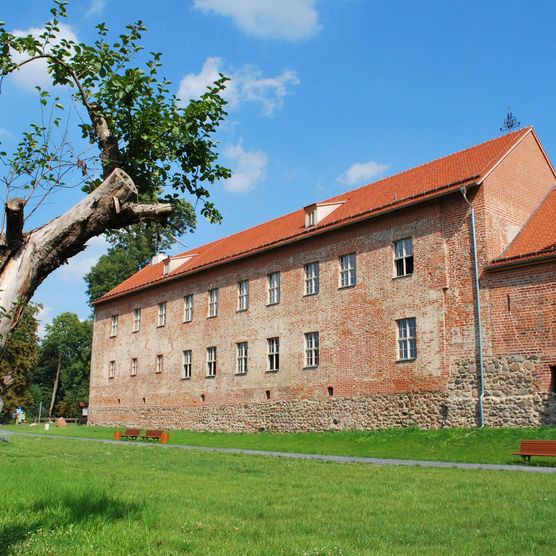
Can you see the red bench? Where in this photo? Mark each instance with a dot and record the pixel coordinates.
(132, 434)
(528, 448)
(152, 435)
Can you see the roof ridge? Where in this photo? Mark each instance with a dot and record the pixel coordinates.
(522, 131)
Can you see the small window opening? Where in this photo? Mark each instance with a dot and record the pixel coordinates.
(330, 391)
(144, 400)
(509, 303)
(553, 380)
(203, 397)
(267, 394)
(119, 401)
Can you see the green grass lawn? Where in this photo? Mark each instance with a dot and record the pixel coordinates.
(461, 445)
(79, 498)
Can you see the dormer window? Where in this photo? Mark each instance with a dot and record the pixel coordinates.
(166, 269)
(317, 212)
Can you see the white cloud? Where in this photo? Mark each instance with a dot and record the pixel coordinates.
(44, 317)
(96, 7)
(362, 172)
(78, 266)
(35, 73)
(248, 84)
(248, 168)
(291, 20)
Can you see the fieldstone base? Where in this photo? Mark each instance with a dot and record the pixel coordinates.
(379, 412)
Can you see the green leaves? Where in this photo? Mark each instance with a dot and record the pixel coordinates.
(161, 145)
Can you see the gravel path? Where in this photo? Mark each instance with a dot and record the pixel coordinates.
(293, 455)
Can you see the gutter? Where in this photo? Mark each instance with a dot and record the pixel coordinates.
(478, 306)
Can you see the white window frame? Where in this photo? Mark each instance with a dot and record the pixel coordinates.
(311, 218)
(273, 288)
(213, 302)
(273, 345)
(114, 326)
(112, 369)
(159, 363)
(312, 349)
(407, 339)
(134, 366)
(162, 314)
(187, 358)
(211, 361)
(348, 270)
(403, 257)
(188, 308)
(136, 319)
(242, 349)
(312, 278)
(243, 295)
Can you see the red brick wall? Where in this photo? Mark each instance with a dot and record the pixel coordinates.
(521, 315)
(357, 325)
(513, 191)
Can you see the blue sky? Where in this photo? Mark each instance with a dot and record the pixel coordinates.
(326, 95)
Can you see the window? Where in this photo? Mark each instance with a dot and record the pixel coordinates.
(347, 270)
(112, 369)
(159, 363)
(188, 308)
(274, 288)
(213, 302)
(553, 380)
(273, 354)
(114, 326)
(310, 219)
(187, 364)
(134, 365)
(312, 278)
(407, 340)
(242, 350)
(312, 349)
(166, 268)
(162, 314)
(211, 361)
(403, 257)
(136, 320)
(243, 295)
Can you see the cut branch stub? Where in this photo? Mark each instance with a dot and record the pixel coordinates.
(14, 222)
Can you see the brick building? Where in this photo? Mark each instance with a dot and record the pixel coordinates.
(356, 312)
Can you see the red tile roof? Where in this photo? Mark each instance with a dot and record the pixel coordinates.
(430, 180)
(536, 240)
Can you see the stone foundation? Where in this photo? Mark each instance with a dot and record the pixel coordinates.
(510, 401)
(423, 410)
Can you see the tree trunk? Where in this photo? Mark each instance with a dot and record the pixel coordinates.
(55, 387)
(26, 259)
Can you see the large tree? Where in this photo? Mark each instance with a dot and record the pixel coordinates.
(153, 152)
(62, 372)
(19, 359)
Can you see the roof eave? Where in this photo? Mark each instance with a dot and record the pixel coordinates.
(334, 225)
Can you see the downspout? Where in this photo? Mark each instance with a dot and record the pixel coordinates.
(478, 302)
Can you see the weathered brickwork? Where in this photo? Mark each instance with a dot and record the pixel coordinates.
(359, 382)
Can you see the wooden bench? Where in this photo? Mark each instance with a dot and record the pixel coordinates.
(131, 434)
(152, 435)
(528, 448)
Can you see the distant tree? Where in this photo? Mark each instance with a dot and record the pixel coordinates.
(19, 359)
(152, 153)
(131, 249)
(62, 371)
